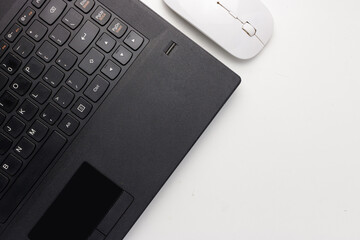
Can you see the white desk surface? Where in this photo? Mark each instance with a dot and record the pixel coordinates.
(282, 159)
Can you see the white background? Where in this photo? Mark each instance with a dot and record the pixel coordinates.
(282, 159)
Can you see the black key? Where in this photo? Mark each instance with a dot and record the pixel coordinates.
(27, 15)
(36, 30)
(8, 102)
(47, 51)
(34, 68)
(111, 70)
(53, 76)
(24, 148)
(46, 154)
(13, 33)
(14, 127)
(51, 114)
(2, 118)
(122, 55)
(3, 47)
(84, 37)
(24, 47)
(63, 97)
(11, 165)
(72, 19)
(117, 28)
(5, 144)
(76, 81)
(134, 40)
(101, 16)
(38, 131)
(3, 80)
(60, 35)
(92, 61)
(38, 3)
(106, 43)
(3, 182)
(53, 11)
(69, 125)
(66, 60)
(27, 110)
(97, 88)
(40, 93)
(85, 5)
(21, 85)
(82, 108)
(10, 64)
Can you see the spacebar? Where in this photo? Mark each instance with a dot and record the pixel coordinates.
(31, 174)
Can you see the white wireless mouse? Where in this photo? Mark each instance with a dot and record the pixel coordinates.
(241, 27)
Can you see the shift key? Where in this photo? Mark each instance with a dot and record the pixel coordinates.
(84, 37)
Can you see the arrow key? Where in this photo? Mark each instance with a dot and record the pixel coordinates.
(106, 43)
(122, 55)
(134, 41)
(111, 70)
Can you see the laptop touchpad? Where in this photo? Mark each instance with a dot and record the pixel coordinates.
(79, 208)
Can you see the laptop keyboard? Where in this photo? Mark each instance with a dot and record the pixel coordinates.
(58, 61)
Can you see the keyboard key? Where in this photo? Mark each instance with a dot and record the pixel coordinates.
(106, 43)
(8, 102)
(72, 19)
(66, 60)
(134, 40)
(76, 81)
(53, 76)
(111, 70)
(97, 88)
(10, 63)
(3, 47)
(13, 33)
(60, 35)
(3, 80)
(117, 28)
(24, 148)
(122, 55)
(53, 11)
(36, 31)
(47, 51)
(34, 68)
(3, 182)
(24, 47)
(40, 93)
(38, 3)
(2, 118)
(41, 160)
(38, 131)
(69, 125)
(27, 15)
(27, 110)
(11, 165)
(51, 114)
(101, 16)
(84, 37)
(14, 127)
(5, 144)
(63, 97)
(21, 85)
(82, 108)
(92, 61)
(85, 5)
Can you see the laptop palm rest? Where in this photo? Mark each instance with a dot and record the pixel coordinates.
(88, 206)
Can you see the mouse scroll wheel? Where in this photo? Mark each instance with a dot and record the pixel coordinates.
(249, 29)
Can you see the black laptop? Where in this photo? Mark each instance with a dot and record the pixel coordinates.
(99, 103)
